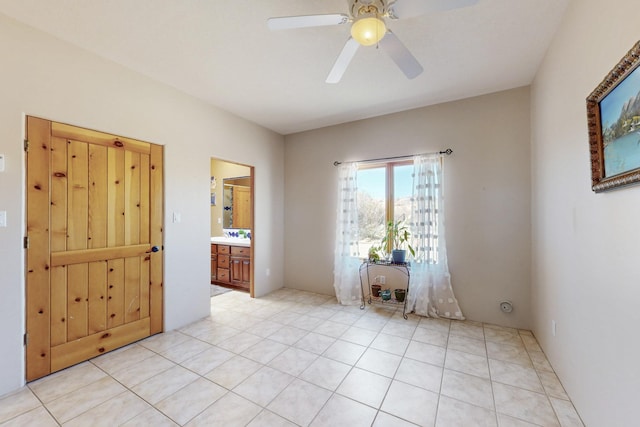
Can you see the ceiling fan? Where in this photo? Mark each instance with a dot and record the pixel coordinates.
(368, 28)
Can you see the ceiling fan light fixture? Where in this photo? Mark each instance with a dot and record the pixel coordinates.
(368, 30)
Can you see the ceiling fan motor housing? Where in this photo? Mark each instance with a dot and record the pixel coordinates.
(363, 8)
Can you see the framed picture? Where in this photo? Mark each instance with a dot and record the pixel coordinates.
(613, 117)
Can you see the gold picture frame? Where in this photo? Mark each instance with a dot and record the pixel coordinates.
(613, 117)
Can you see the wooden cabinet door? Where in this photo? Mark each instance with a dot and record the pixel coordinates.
(236, 270)
(246, 271)
(214, 266)
(214, 262)
(241, 272)
(94, 261)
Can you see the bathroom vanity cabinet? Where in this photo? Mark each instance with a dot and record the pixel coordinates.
(220, 264)
(231, 265)
(214, 262)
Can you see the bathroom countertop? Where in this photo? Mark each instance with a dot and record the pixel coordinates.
(232, 241)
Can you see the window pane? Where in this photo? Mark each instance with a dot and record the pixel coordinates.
(402, 190)
(371, 207)
(373, 214)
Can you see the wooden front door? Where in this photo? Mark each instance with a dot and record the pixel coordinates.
(94, 244)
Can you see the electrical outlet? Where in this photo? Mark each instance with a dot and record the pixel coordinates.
(383, 280)
(553, 328)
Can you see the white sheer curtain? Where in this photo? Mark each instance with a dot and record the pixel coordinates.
(430, 291)
(346, 278)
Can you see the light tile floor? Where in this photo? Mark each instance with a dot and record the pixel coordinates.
(295, 358)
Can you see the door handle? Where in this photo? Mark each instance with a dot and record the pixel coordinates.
(153, 249)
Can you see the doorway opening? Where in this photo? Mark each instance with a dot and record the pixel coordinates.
(232, 231)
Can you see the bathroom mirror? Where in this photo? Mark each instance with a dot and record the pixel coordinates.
(236, 193)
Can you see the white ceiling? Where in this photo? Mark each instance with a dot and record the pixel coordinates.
(222, 52)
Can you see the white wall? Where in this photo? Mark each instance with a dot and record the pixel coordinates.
(585, 245)
(487, 195)
(44, 77)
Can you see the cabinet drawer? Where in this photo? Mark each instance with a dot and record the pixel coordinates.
(223, 249)
(223, 274)
(240, 251)
(223, 261)
(214, 248)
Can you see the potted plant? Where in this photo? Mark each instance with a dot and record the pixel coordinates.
(375, 290)
(374, 254)
(397, 238)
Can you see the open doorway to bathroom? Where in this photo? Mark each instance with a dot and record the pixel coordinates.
(232, 233)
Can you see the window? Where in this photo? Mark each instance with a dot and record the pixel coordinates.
(411, 191)
(384, 194)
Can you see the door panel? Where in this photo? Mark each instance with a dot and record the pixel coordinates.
(132, 198)
(145, 294)
(77, 301)
(97, 295)
(98, 197)
(58, 195)
(58, 305)
(131, 289)
(38, 204)
(77, 195)
(115, 197)
(94, 277)
(115, 299)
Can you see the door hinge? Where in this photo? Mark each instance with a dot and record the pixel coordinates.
(26, 339)
(26, 145)
(26, 242)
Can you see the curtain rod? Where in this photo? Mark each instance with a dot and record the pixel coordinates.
(448, 152)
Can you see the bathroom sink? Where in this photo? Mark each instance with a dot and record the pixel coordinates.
(233, 241)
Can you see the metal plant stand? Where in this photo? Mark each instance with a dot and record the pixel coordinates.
(403, 268)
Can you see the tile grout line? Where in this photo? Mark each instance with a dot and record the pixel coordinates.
(298, 306)
(493, 394)
(444, 363)
(42, 405)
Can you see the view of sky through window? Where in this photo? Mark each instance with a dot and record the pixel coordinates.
(372, 212)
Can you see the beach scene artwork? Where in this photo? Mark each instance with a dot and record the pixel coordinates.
(620, 120)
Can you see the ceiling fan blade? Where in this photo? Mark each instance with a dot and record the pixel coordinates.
(401, 55)
(348, 51)
(288, 22)
(410, 8)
